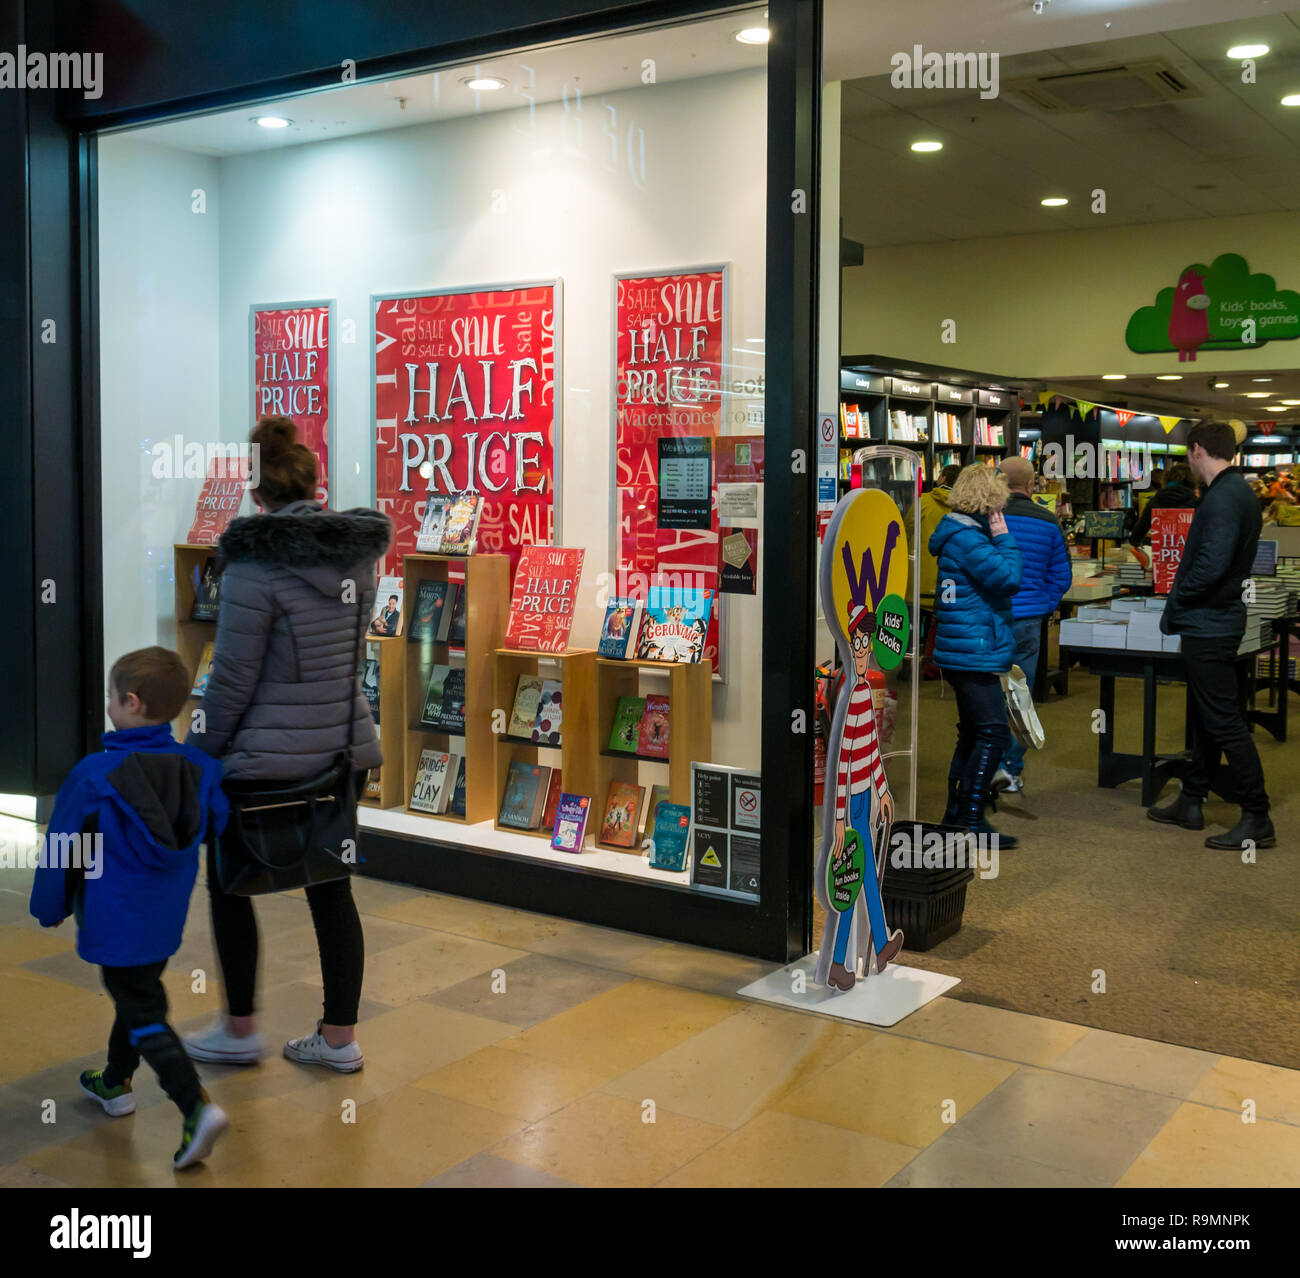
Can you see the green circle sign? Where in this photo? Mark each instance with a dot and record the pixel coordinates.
(844, 873)
(893, 630)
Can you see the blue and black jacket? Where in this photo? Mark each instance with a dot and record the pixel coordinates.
(977, 576)
(152, 801)
(1045, 576)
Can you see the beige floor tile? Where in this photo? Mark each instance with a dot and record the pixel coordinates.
(602, 1142)
(698, 969)
(748, 1062)
(1136, 1062)
(1212, 1148)
(476, 919)
(775, 1150)
(17, 1176)
(898, 1089)
(401, 1139)
(184, 1003)
(231, 1085)
(511, 1083)
(58, 1021)
(1232, 1082)
(954, 1164)
(992, 1031)
(131, 1152)
(622, 1028)
(432, 962)
(373, 895)
(22, 945)
(602, 947)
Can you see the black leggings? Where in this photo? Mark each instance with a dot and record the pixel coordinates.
(338, 933)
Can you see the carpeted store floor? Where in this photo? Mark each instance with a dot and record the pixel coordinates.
(1197, 948)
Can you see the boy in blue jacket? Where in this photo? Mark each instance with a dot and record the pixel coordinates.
(134, 816)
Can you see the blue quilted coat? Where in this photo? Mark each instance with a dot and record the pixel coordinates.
(978, 574)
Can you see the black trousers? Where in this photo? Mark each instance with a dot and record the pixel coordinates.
(1216, 681)
(982, 732)
(141, 1029)
(338, 934)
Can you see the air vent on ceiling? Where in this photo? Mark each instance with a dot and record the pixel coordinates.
(1114, 88)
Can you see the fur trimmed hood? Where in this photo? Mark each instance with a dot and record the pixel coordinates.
(301, 535)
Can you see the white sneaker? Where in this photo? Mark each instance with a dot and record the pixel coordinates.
(1005, 781)
(197, 1144)
(314, 1050)
(218, 1046)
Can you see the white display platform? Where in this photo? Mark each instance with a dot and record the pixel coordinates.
(879, 1000)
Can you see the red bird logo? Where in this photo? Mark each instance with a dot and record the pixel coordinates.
(1189, 321)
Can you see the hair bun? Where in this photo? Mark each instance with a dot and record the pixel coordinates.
(275, 436)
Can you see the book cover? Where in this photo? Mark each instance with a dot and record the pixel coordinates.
(552, 804)
(453, 603)
(618, 826)
(426, 617)
(370, 685)
(374, 783)
(542, 601)
(430, 778)
(447, 781)
(461, 526)
(619, 631)
(672, 826)
(658, 795)
(428, 540)
(456, 634)
(387, 620)
(207, 591)
(546, 723)
(523, 782)
(457, 804)
(626, 731)
(570, 822)
(652, 739)
(523, 714)
(202, 671)
(444, 700)
(675, 624)
(219, 500)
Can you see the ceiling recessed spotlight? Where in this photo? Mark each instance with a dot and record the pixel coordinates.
(1291, 99)
(1291, 403)
(1054, 201)
(272, 121)
(484, 83)
(1261, 379)
(1220, 385)
(1276, 408)
(927, 146)
(1256, 395)
(1113, 377)
(1169, 377)
(1248, 51)
(754, 35)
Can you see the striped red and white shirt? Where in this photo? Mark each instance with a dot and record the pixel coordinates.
(860, 762)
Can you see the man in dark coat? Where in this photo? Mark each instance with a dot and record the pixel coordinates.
(1207, 609)
(1176, 493)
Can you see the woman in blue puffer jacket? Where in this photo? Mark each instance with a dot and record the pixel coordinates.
(979, 569)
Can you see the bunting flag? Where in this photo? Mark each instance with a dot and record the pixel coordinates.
(1084, 406)
(1123, 416)
(1044, 396)
(1168, 423)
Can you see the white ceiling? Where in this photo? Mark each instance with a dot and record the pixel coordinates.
(1232, 150)
(1194, 396)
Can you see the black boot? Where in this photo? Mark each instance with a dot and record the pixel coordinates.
(1184, 811)
(1255, 828)
(974, 797)
(952, 813)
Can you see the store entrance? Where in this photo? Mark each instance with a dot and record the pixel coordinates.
(1104, 238)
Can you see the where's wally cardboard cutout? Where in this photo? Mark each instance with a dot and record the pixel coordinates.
(864, 572)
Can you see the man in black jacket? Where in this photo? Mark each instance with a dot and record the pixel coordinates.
(1206, 608)
(1177, 492)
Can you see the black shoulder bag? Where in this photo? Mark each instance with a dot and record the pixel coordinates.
(283, 835)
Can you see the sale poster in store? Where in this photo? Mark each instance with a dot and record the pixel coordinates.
(1169, 528)
(465, 403)
(669, 365)
(291, 375)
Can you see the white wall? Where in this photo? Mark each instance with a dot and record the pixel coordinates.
(413, 208)
(159, 290)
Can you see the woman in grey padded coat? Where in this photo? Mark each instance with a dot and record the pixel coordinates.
(283, 684)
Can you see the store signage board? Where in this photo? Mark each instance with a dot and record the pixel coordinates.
(1169, 528)
(1107, 525)
(1218, 307)
(464, 401)
(292, 371)
(828, 485)
(726, 813)
(670, 383)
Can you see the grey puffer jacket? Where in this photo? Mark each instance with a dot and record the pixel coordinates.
(284, 670)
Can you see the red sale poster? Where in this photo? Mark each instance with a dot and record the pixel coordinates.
(1169, 527)
(291, 375)
(541, 604)
(465, 403)
(668, 385)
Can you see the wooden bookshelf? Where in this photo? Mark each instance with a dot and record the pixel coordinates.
(575, 755)
(191, 636)
(486, 582)
(392, 721)
(690, 731)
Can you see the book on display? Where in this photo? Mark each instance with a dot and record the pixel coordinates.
(570, 822)
(387, 619)
(652, 735)
(523, 713)
(543, 598)
(431, 789)
(203, 671)
(524, 799)
(618, 634)
(429, 539)
(672, 827)
(626, 731)
(550, 709)
(426, 616)
(618, 825)
(207, 591)
(675, 624)
(460, 530)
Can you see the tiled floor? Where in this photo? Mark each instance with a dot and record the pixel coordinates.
(512, 1049)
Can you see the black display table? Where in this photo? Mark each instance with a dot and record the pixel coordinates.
(1280, 684)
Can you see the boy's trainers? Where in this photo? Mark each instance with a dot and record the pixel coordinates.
(219, 1047)
(314, 1050)
(199, 1133)
(1007, 782)
(114, 1100)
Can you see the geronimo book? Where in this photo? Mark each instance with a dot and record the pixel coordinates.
(675, 623)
